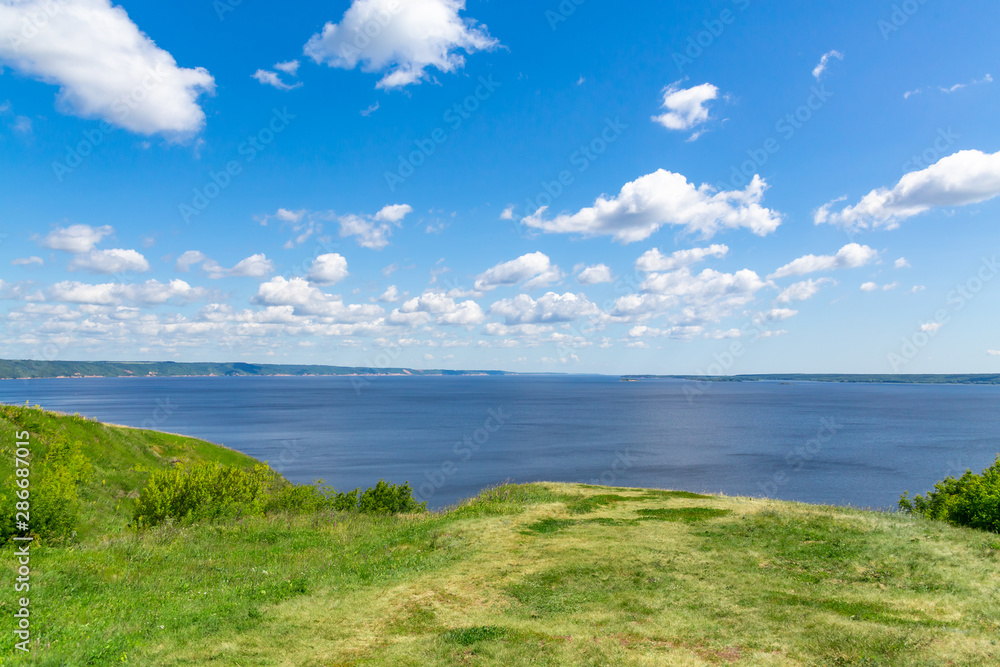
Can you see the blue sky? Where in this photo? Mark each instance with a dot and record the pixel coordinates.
(730, 186)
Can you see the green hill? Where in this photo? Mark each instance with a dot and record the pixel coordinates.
(540, 574)
(30, 369)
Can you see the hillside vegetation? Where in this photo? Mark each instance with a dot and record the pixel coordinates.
(538, 574)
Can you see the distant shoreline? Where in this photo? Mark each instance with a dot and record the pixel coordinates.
(827, 378)
(46, 370)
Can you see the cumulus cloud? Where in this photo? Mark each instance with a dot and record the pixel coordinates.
(76, 239)
(869, 287)
(688, 299)
(824, 62)
(307, 299)
(665, 198)
(803, 291)
(902, 263)
(851, 256)
(328, 269)
(150, 293)
(401, 40)
(110, 261)
(28, 261)
(966, 177)
(547, 309)
(993, 353)
(390, 295)
(655, 261)
(374, 231)
(534, 270)
(430, 305)
(595, 275)
(189, 259)
(686, 107)
(104, 65)
(255, 266)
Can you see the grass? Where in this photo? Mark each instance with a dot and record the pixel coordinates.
(540, 574)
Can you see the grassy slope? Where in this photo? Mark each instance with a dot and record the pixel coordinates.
(541, 574)
(122, 458)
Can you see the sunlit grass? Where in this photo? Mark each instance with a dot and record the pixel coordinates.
(541, 574)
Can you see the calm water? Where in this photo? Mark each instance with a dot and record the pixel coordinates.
(824, 443)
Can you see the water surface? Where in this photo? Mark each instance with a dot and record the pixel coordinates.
(857, 444)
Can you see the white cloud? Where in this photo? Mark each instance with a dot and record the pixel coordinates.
(255, 266)
(328, 269)
(400, 39)
(76, 239)
(534, 270)
(685, 107)
(150, 293)
(189, 259)
(777, 315)
(104, 65)
(654, 261)
(851, 256)
(993, 353)
(309, 300)
(890, 287)
(374, 231)
(704, 288)
(290, 67)
(802, 291)
(549, 308)
(665, 198)
(901, 263)
(508, 213)
(931, 327)
(390, 295)
(966, 177)
(595, 275)
(117, 260)
(677, 332)
(825, 61)
(28, 261)
(273, 79)
(949, 89)
(422, 309)
(869, 287)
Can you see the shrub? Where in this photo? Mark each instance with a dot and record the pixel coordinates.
(299, 498)
(53, 494)
(212, 491)
(972, 500)
(203, 491)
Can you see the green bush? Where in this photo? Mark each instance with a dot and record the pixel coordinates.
(204, 491)
(53, 493)
(212, 491)
(972, 500)
(383, 498)
(296, 498)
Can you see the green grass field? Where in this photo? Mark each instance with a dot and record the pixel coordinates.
(539, 574)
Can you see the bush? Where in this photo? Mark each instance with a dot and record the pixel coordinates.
(972, 500)
(299, 498)
(203, 491)
(383, 498)
(212, 491)
(53, 493)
